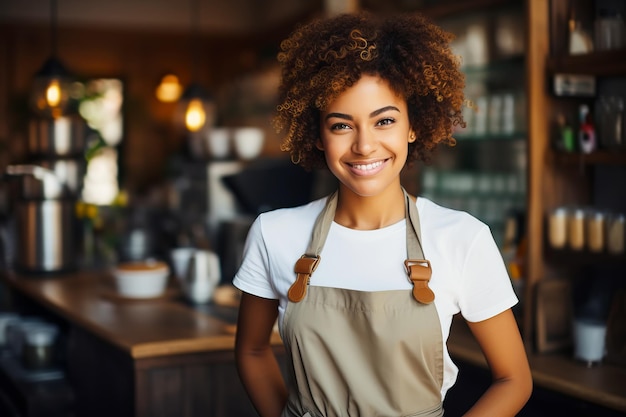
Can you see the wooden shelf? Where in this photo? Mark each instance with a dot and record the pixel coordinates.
(602, 385)
(601, 157)
(442, 9)
(601, 64)
(584, 257)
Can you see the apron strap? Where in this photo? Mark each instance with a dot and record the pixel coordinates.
(418, 268)
(308, 262)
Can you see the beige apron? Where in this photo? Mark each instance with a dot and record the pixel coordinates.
(357, 353)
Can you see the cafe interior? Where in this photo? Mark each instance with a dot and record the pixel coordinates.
(137, 148)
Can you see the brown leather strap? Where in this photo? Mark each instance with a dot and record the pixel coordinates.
(417, 267)
(419, 272)
(304, 268)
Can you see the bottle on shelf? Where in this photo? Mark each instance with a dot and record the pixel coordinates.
(586, 131)
(580, 40)
(609, 30)
(564, 136)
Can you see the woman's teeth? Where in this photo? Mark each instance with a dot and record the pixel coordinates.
(367, 167)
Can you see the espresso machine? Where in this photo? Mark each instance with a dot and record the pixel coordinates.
(50, 182)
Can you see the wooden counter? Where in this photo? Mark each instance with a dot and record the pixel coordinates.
(604, 385)
(143, 328)
(157, 357)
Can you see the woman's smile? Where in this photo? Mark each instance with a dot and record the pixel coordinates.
(368, 168)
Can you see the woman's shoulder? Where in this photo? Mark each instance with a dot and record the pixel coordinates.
(291, 218)
(437, 220)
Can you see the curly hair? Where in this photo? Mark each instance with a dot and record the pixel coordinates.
(323, 58)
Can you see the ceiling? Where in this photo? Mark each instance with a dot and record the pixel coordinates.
(208, 15)
(227, 16)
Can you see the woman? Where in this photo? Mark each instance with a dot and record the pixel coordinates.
(364, 283)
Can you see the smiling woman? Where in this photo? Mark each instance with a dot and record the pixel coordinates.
(364, 283)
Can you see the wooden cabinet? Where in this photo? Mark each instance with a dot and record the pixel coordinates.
(107, 382)
(556, 178)
(552, 178)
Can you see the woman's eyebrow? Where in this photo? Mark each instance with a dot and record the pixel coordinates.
(372, 114)
(338, 115)
(384, 109)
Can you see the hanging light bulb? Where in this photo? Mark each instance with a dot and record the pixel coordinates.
(196, 108)
(50, 90)
(169, 90)
(50, 95)
(196, 116)
(196, 105)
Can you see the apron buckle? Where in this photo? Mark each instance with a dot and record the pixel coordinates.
(305, 266)
(419, 273)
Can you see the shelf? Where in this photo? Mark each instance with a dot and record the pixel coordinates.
(601, 157)
(601, 64)
(500, 137)
(602, 385)
(441, 9)
(504, 66)
(583, 257)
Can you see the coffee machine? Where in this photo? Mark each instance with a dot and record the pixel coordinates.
(50, 182)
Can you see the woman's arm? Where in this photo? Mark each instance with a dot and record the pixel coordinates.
(502, 345)
(256, 363)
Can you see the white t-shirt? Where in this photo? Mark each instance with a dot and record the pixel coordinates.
(468, 273)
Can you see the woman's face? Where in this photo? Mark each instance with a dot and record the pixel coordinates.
(365, 134)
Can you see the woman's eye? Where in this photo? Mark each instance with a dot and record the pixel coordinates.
(339, 126)
(386, 121)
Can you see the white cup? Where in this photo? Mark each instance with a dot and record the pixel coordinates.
(202, 275)
(248, 142)
(589, 340)
(218, 142)
(180, 261)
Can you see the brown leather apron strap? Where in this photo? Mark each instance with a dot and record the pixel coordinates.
(304, 269)
(418, 268)
(308, 262)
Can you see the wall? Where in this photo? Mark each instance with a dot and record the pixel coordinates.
(223, 16)
(139, 58)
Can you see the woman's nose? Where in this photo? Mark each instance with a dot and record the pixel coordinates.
(364, 142)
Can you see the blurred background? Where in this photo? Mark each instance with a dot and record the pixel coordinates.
(131, 129)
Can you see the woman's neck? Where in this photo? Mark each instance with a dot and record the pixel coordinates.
(370, 213)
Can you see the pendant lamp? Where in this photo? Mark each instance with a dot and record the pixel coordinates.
(199, 108)
(196, 106)
(51, 84)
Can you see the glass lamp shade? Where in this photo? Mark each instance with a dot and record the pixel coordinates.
(50, 91)
(196, 109)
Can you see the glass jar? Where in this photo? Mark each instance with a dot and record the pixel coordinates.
(557, 228)
(576, 229)
(595, 231)
(609, 30)
(615, 231)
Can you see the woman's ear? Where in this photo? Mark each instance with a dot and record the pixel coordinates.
(319, 145)
(412, 136)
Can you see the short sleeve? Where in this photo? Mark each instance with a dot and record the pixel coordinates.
(253, 276)
(486, 286)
